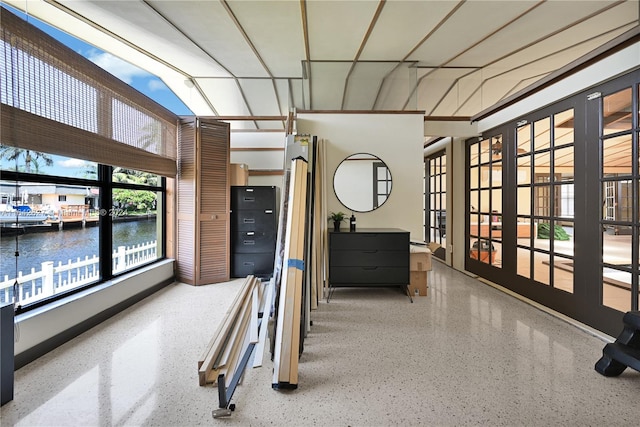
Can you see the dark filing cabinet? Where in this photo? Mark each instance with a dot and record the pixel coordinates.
(253, 230)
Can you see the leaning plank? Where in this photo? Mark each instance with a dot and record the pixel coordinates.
(294, 277)
(266, 313)
(220, 337)
(235, 345)
(284, 351)
(255, 306)
(298, 282)
(236, 333)
(207, 349)
(239, 348)
(283, 325)
(225, 353)
(319, 225)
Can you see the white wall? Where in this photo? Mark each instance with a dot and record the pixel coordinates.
(41, 324)
(397, 139)
(259, 159)
(272, 159)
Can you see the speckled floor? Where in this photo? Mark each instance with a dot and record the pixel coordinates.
(466, 354)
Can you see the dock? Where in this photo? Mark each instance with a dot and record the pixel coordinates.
(73, 214)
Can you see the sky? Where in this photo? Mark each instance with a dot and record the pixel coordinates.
(137, 78)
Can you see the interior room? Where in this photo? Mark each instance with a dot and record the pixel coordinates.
(178, 264)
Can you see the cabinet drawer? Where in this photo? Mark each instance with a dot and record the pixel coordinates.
(252, 242)
(369, 258)
(368, 276)
(363, 241)
(247, 197)
(261, 264)
(253, 220)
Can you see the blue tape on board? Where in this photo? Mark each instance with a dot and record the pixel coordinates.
(296, 263)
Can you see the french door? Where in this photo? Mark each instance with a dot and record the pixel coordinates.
(554, 205)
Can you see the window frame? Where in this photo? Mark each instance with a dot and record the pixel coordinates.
(105, 225)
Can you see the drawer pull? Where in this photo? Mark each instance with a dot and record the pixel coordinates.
(249, 199)
(369, 268)
(250, 233)
(249, 221)
(249, 242)
(375, 251)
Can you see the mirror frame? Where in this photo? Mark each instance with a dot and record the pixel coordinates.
(347, 200)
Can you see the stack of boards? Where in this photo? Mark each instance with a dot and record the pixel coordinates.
(240, 333)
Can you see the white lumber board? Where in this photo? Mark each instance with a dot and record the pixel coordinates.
(262, 337)
(255, 306)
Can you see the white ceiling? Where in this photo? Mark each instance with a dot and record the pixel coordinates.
(263, 58)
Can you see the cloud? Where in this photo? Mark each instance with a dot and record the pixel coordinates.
(156, 84)
(74, 163)
(116, 66)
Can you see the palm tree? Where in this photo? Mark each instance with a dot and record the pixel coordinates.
(30, 157)
(130, 176)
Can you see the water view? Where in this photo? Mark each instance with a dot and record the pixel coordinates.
(69, 244)
(66, 247)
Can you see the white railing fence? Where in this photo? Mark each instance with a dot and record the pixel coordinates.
(54, 279)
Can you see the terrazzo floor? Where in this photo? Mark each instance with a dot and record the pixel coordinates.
(466, 354)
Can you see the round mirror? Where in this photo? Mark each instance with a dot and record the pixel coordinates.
(362, 182)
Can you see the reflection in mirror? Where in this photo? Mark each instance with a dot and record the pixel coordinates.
(362, 182)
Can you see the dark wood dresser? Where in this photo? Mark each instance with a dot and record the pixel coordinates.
(369, 257)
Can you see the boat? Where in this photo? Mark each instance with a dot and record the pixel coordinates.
(19, 216)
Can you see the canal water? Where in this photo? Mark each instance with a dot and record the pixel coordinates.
(65, 245)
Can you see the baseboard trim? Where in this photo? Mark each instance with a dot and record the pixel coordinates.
(585, 328)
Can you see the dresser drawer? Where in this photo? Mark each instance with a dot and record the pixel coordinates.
(369, 258)
(363, 241)
(368, 276)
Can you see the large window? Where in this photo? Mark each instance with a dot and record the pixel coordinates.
(82, 155)
(72, 224)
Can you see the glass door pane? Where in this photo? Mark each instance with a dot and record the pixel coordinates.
(619, 194)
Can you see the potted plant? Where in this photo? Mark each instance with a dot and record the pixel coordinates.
(337, 218)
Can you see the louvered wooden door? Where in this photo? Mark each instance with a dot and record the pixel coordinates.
(203, 202)
(214, 202)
